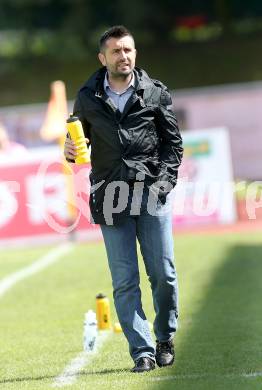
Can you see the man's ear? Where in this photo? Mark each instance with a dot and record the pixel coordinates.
(102, 58)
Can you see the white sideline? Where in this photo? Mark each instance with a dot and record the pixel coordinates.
(51, 257)
(69, 375)
(252, 374)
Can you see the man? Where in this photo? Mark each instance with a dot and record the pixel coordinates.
(136, 152)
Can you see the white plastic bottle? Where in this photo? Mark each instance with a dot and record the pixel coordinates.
(90, 331)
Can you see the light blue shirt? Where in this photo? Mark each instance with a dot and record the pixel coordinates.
(119, 99)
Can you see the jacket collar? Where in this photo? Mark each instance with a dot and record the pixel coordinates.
(142, 79)
(131, 84)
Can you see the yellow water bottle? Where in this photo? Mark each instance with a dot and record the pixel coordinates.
(75, 129)
(103, 312)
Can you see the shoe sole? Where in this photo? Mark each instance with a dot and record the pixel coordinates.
(165, 365)
(140, 371)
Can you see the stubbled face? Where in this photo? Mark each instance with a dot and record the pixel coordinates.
(119, 56)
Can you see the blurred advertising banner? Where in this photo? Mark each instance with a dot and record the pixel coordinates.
(36, 202)
(236, 107)
(205, 189)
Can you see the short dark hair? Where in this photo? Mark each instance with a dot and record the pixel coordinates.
(114, 32)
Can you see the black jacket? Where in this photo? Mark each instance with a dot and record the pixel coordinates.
(144, 138)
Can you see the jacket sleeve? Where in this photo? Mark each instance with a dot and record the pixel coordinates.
(171, 150)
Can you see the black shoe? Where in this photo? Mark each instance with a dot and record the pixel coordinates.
(143, 364)
(165, 353)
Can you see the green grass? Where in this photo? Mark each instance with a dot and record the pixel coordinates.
(220, 331)
(13, 260)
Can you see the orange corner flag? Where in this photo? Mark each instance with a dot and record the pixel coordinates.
(54, 126)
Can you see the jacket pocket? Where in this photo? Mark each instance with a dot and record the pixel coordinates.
(152, 134)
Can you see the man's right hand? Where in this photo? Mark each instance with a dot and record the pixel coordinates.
(70, 148)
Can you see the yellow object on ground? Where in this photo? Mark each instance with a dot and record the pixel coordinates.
(117, 328)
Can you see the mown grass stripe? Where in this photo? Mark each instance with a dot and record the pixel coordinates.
(43, 262)
(145, 378)
(199, 376)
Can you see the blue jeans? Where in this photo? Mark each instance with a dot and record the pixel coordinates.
(154, 234)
